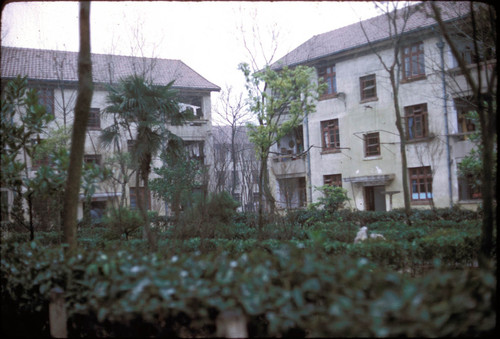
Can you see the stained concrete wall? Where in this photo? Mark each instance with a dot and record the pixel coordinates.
(357, 118)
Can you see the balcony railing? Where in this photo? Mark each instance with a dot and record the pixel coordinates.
(289, 164)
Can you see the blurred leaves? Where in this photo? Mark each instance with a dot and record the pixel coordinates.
(288, 286)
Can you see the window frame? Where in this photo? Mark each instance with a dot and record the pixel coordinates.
(94, 122)
(133, 197)
(92, 158)
(420, 177)
(193, 100)
(363, 87)
(195, 150)
(332, 180)
(46, 98)
(409, 63)
(464, 124)
(418, 115)
(465, 190)
(327, 127)
(328, 74)
(375, 142)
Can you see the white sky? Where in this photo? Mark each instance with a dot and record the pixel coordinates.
(205, 35)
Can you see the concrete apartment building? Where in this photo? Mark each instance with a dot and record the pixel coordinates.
(352, 139)
(54, 74)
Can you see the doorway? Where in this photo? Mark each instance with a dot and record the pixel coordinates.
(375, 198)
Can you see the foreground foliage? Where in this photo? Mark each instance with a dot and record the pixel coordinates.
(306, 278)
(283, 291)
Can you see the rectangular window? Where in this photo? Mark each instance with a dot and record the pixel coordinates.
(413, 61)
(469, 55)
(330, 135)
(416, 122)
(92, 158)
(467, 189)
(193, 104)
(133, 197)
(420, 183)
(464, 106)
(368, 87)
(94, 122)
(333, 180)
(329, 76)
(372, 144)
(46, 98)
(302, 190)
(195, 150)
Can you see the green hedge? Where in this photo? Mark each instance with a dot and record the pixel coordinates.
(281, 289)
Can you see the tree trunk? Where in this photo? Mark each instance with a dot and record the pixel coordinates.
(261, 199)
(264, 191)
(233, 159)
(402, 148)
(487, 187)
(142, 204)
(82, 107)
(487, 119)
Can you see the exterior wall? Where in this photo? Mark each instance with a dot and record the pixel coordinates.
(64, 101)
(356, 118)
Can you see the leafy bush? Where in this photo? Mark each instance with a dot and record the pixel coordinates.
(208, 219)
(221, 207)
(333, 198)
(283, 290)
(122, 220)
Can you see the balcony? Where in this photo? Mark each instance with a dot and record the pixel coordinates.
(288, 164)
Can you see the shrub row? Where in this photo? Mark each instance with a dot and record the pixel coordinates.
(456, 243)
(286, 290)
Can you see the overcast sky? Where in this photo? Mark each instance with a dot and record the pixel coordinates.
(207, 36)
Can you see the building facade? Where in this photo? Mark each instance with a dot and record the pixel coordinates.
(352, 140)
(54, 74)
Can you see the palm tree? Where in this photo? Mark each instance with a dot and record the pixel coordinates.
(141, 111)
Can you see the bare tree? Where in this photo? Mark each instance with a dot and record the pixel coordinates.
(249, 165)
(397, 15)
(260, 46)
(480, 74)
(231, 109)
(84, 98)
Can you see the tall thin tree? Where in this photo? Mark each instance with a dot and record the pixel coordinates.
(82, 108)
(482, 82)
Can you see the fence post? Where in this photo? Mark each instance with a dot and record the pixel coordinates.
(231, 324)
(57, 314)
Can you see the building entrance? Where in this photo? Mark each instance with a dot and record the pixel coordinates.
(375, 198)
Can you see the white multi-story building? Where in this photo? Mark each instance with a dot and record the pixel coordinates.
(54, 74)
(352, 137)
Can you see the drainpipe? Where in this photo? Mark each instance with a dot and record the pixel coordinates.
(440, 45)
(308, 158)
